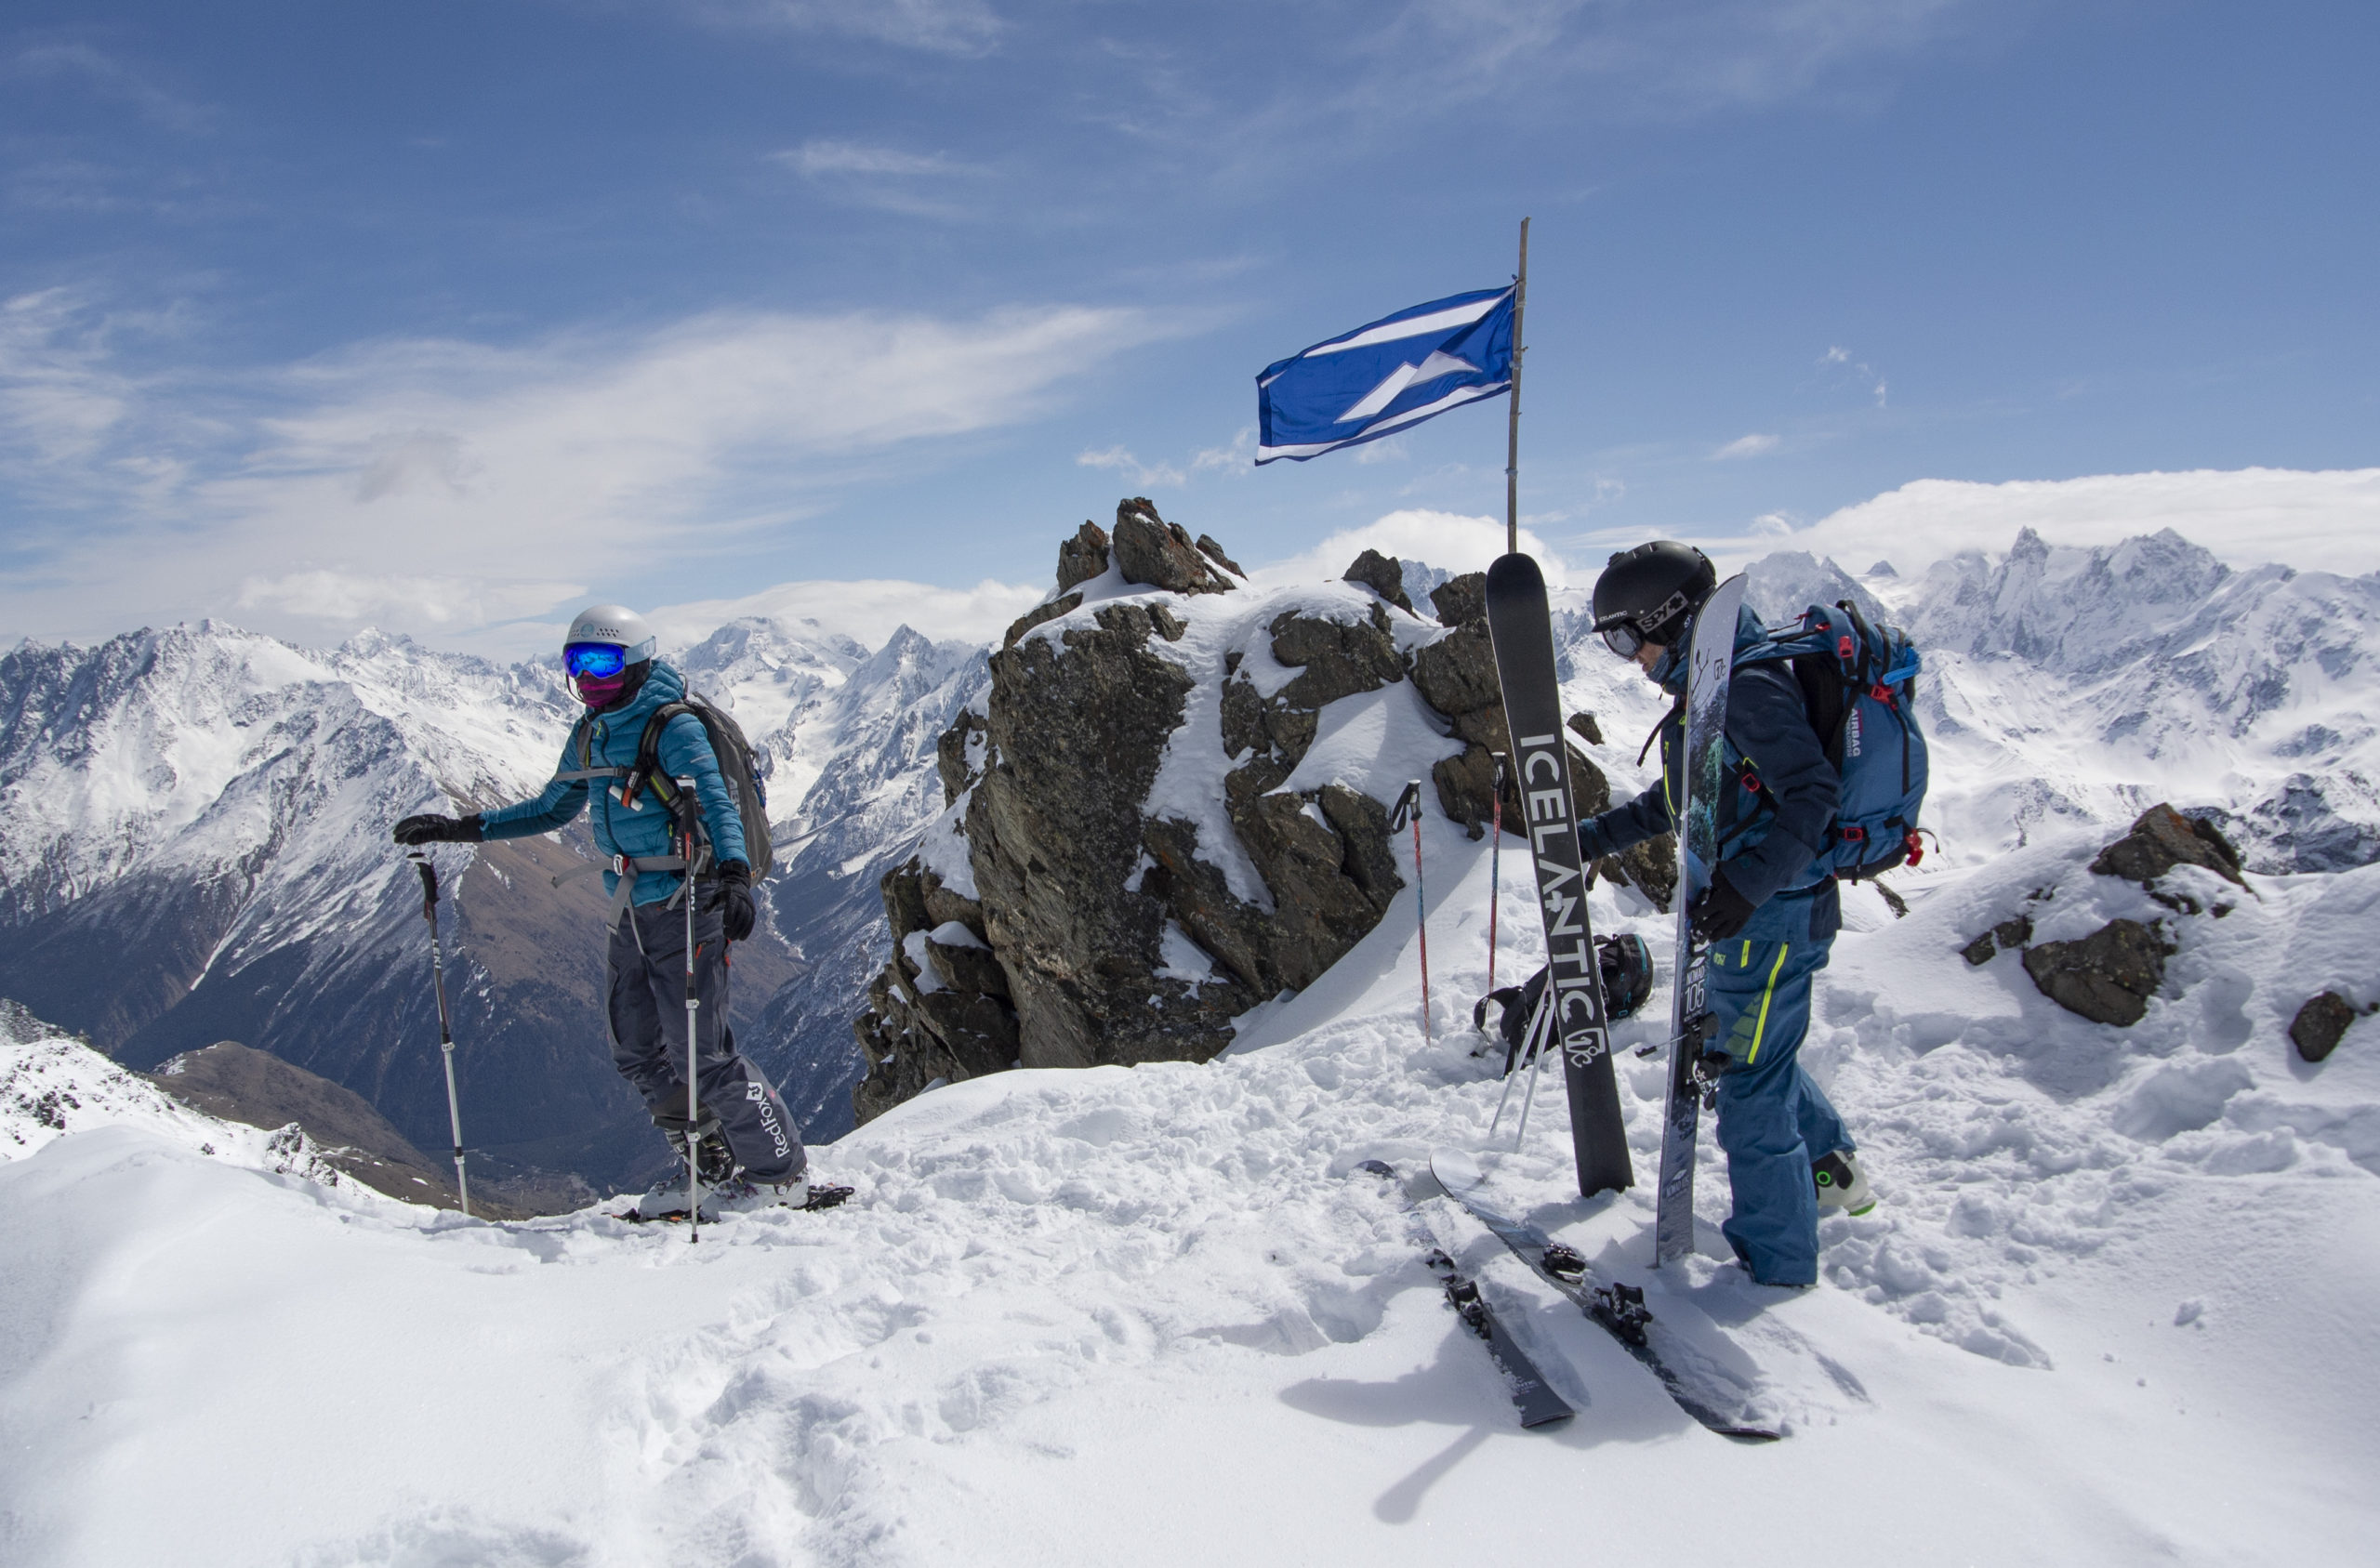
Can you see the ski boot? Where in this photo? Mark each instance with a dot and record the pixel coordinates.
(1842, 1184)
(666, 1199)
(740, 1194)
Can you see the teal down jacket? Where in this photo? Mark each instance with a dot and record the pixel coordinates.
(609, 740)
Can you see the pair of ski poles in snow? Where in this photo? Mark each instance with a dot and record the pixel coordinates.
(445, 1027)
(1533, 1040)
(1409, 810)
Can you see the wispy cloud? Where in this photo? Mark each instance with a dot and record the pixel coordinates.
(112, 78)
(526, 469)
(1839, 361)
(1238, 457)
(1131, 467)
(1754, 445)
(949, 27)
(891, 178)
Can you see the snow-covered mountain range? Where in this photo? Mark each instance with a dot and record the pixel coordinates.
(193, 820)
(193, 846)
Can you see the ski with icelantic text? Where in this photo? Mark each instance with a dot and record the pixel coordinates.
(1521, 626)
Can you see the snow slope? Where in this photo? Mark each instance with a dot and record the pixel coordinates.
(2114, 1307)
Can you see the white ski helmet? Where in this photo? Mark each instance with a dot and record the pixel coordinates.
(614, 623)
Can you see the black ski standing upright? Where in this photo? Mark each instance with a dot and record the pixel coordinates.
(1522, 628)
(1710, 661)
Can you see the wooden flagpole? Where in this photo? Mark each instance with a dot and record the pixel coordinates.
(1512, 447)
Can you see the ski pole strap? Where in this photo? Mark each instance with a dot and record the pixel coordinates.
(1408, 807)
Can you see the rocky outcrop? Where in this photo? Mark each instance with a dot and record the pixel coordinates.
(1384, 575)
(2009, 936)
(2163, 838)
(1056, 917)
(2107, 977)
(1161, 555)
(2320, 1024)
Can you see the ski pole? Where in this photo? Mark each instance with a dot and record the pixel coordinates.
(1495, 865)
(1536, 1070)
(1528, 1058)
(446, 1031)
(1408, 807)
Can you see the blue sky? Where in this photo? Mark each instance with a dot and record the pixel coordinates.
(445, 316)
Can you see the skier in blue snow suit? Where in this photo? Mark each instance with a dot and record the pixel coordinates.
(751, 1154)
(1769, 919)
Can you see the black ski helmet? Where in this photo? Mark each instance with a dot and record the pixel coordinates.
(1649, 594)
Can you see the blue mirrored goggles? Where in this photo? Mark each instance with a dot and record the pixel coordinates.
(598, 659)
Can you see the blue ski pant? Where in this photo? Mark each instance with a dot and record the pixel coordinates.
(1773, 1119)
(645, 1006)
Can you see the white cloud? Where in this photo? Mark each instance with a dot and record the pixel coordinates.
(112, 78)
(1753, 446)
(296, 489)
(2324, 521)
(1447, 540)
(1131, 467)
(869, 610)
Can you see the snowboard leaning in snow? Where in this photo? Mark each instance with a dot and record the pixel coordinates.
(1711, 659)
(1522, 629)
(1619, 1308)
(1532, 1396)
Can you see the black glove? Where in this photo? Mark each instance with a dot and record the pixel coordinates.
(431, 828)
(732, 896)
(1721, 911)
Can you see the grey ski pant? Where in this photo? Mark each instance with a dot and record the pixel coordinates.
(645, 1006)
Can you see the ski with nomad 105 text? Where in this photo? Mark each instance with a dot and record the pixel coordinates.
(1521, 626)
(1701, 772)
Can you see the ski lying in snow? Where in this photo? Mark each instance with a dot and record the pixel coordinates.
(1522, 629)
(1619, 1308)
(820, 1197)
(1711, 659)
(1533, 1398)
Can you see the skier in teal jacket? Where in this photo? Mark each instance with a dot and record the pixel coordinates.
(752, 1153)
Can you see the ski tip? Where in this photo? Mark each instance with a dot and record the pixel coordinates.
(1457, 1169)
(1517, 569)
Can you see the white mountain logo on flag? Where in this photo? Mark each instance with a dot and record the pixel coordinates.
(1405, 375)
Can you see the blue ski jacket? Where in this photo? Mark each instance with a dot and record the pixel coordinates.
(609, 740)
(1768, 850)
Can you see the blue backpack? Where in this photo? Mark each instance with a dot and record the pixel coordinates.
(1858, 685)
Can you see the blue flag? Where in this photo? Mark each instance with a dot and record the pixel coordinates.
(1387, 377)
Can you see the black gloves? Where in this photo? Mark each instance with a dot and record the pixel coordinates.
(732, 896)
(431, 828)
(1721, 911)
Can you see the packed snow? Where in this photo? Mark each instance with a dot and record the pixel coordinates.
(2113, 1307)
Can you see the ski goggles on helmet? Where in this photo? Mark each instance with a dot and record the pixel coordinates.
(1624, 632)
(598, 659)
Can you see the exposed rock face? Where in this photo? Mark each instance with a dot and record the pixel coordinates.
(2320, 1024)
(1150, 550)
(1082, 557)
(2107, 977)
(2163, 838)
(1060, 917)
(1384, 575)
